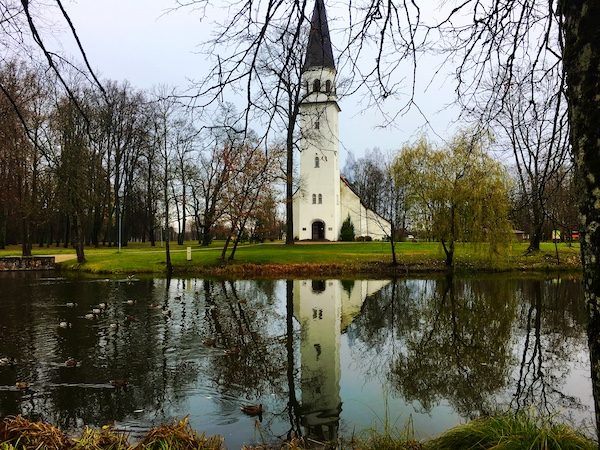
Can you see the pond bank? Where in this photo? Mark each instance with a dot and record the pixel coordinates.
(247, 266)
(352, 270)
(275, 260)
(14, 263)
(501, 431)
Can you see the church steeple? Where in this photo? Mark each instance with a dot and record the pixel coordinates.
(319, 53)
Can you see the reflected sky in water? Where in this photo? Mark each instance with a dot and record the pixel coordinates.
(325, 357)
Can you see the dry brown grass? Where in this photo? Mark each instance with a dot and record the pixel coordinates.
(102, 439)
(179, 436)
(25, 434)
(17, 432)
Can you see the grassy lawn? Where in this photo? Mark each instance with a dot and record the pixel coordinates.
(355, 256)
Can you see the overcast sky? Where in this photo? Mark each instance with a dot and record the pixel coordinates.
(142, 42)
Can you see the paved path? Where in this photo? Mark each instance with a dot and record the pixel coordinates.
(64, 257)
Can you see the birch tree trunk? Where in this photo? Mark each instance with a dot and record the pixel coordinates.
(582, 67)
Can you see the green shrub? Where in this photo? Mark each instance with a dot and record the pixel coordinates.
(347, 230)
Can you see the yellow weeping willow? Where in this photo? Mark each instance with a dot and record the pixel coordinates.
(457, 193)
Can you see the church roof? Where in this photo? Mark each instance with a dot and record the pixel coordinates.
(319, 52)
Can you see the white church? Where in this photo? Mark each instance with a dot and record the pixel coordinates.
(325, 199)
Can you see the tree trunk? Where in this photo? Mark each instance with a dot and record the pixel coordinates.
(582, 67)
(2, 229)
(289, 189)
(225, 246)
(183, 215)
(449, 251)
(393, 243)
(169, 265)
(26, 238)
(67, 232)
(206, 229)
(537, 223)
(78, 239)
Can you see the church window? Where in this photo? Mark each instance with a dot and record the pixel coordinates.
(320, 199)
(314, 199)
(328, 86)
(306, 85)
(317, 162)
(316, 85)
(318, 286)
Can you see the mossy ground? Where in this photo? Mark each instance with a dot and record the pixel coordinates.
(276, 259)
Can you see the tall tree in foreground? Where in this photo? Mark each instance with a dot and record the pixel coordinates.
(582, 67)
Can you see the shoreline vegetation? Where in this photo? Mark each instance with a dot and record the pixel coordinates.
(501, 431)
(275, 260)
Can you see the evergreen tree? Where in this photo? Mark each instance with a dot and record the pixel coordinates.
(347, 230)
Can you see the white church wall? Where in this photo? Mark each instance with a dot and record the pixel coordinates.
(366, 222)
(350, 206)
(377, 227)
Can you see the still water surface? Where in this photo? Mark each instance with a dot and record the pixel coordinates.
(353, 354)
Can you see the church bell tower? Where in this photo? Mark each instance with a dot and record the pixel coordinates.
(317, 203)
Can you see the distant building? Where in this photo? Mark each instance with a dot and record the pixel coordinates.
(520, 235)
(325, 199)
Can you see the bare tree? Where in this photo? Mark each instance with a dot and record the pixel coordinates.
(22, 27)
(184, 142)
(528, 125)
(165, 121)
(264, 60)
(251, 183)
(215, 167)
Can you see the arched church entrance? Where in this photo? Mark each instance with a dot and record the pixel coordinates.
(318, 230)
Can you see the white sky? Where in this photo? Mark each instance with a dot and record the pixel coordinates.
(136, 40)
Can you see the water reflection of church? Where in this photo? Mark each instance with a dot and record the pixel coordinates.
(324, 309)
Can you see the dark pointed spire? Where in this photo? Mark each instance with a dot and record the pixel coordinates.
(319, 53)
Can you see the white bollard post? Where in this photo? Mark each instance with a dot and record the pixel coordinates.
(189, 253)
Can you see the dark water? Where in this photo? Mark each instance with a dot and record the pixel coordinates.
(353, 354)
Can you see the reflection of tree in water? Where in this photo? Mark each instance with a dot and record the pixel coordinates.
(454, 340)
(251, 357)
(461, 350)
(162, 356)
(551, 327)
(134, 351)
(444, 339)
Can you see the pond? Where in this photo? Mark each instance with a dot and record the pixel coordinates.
(325, 358)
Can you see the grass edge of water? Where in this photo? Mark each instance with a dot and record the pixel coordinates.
(502, 431)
